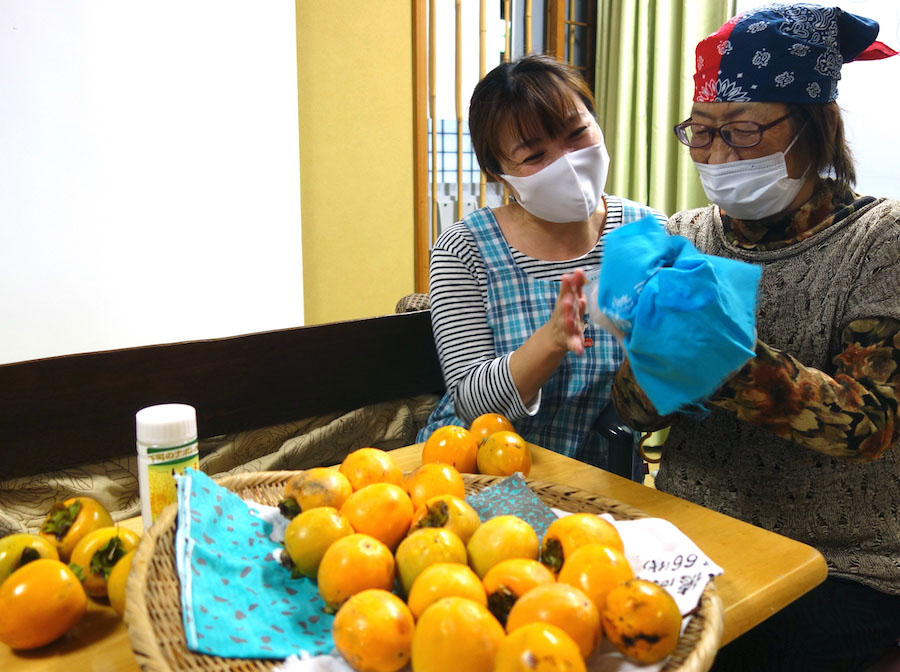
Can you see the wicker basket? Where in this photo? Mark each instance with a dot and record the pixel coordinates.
(153, 612)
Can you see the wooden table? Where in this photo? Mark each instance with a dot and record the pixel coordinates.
(763, 571)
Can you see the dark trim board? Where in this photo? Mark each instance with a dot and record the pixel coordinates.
(64, 411)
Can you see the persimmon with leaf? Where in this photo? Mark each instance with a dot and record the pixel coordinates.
(312, 488)
(450, 512)
(67, 522)
(508, 580)
(19, 549)
(568, 533)
(94, 557)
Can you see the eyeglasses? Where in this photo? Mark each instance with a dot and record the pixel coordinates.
(738, 134)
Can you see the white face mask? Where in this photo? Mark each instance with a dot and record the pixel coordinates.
(567, 190)
(752, 189)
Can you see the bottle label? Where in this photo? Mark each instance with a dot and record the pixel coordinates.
(162, 453)
(160, 468)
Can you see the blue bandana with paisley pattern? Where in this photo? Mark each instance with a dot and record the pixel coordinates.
(783, 53)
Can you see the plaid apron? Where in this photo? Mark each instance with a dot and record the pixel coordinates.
(579, 389)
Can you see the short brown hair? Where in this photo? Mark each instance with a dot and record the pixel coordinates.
(533, 94)
(827, 145)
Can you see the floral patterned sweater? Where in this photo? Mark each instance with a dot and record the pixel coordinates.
(803, 439)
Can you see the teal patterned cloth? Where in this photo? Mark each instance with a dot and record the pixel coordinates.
(513, 497)
(237, 601)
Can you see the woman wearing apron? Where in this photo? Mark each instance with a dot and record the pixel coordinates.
(507, 283)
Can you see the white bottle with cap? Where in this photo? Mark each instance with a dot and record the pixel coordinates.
(166, 445)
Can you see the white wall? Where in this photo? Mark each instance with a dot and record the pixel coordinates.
(149, 173)
(869, 95)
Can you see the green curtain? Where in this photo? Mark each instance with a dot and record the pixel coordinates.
(644, 86)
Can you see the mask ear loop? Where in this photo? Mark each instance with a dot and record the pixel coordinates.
(797, 137)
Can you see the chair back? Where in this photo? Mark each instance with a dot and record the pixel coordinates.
(59, 412)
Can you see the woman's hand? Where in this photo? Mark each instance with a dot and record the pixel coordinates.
(535, 360)
(567, 319)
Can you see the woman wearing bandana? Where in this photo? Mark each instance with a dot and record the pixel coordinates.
(803, 440)
(507, 302)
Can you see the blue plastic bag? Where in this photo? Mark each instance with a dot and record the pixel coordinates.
(687, 320)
